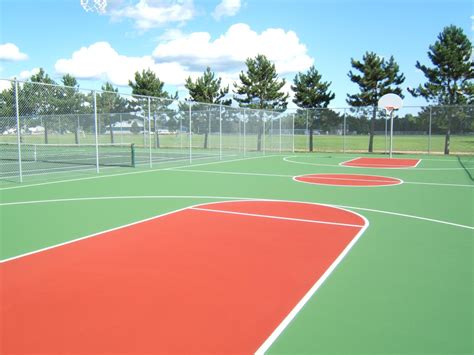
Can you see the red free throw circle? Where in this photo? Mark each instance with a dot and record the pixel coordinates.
(348, 180)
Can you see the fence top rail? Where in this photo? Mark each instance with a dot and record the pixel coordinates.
(241, 109)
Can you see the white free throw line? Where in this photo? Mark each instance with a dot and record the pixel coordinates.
(276, 217)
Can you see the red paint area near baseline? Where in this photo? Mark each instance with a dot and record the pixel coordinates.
(347, 180)
(188, 282)
(382, 163)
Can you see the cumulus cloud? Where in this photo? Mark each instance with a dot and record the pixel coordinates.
(149, 14)
(181, 55)
(226, 8)
(26, 74)
(228, 52)
(101, 61)
(10, 52)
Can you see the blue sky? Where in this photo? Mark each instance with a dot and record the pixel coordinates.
(179, 38)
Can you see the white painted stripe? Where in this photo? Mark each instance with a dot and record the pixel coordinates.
(299, 306)
(287, 159)
(406, 215)
(437, 184)
(275, 217)
(349, 179)
(87, 237)
(136, 197)
(230, 172)
(291, 176)
(228, 199)
(379, 165)
(127, 173)
(400, 181)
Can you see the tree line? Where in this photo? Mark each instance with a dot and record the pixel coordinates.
(449, 81)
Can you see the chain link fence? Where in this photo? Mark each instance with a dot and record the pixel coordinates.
(51, 128)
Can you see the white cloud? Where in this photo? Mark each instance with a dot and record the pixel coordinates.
(182, 55)
(23, 76)
(149, 14)
(26, 74)
(226, 8)
(228, 52)
(101, 61)
(10, 52)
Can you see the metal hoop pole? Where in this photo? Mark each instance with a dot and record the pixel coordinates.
(220, 131)
(391, 132)
(18, 132)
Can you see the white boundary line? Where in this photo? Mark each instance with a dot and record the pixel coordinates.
(275, 217)
(228, 199)
(225, 198)
(230, 173)
(128, 173)
(299, 306)
(291, 176)
(287, 159)
(380, 166)
(400, 181)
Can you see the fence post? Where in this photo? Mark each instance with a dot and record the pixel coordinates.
(263, 119)
(96, 133)
(220, 131)
(429, 135)
(293, 134)
(149, 132)
(180, 133)
(18, 132)
(245, 144)
(307, 130)
(344, 132)
(190, 135)
(280, 133)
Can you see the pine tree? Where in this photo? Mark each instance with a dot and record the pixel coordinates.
(207, 89)
(260, 88)
(449, 81)
(311, 93)
(377, 77)
(147, 83)
(108, 103)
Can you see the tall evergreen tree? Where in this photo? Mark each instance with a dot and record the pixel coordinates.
(260, 87)
(147, 83)
(70, 104)
(207, 89)
(43, 98)
(377, 77)
(450, 80)
(109, 102)
(311, 93)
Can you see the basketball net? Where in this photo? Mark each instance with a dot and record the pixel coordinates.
(94, 5)
(389, 109)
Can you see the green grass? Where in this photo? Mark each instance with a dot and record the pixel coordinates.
(322, 143)
(405, 287)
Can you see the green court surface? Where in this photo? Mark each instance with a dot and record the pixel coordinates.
(406, 286)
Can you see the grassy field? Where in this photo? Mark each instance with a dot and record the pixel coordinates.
(322, 143)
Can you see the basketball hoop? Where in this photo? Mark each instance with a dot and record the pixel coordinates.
(94, 5)
(389, 109)
(390, 103)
